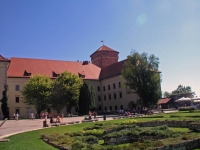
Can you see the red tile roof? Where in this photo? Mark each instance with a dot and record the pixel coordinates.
(112, 70)
(163, 101)
(46, 67)
(104, 48)
(4, 59)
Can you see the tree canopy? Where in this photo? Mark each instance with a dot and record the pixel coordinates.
(65, 91)
(142, 77)
(37, 91)
(180, 91)
(4, 105)
(87, 98)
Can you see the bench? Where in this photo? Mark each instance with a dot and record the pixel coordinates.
(73, 122)
(92, 120)
(3, 122)
(54, 124)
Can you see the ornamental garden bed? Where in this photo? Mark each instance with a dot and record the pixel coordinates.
(129, 134)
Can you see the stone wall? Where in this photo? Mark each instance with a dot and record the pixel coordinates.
(183, 124)
(186, 145)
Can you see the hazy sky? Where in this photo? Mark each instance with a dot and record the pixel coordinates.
(72, 30)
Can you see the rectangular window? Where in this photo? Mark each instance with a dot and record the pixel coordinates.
(122, 107)
(16, 99)
(120, 94)
(105, 108)
(76, 109)
(99, 108)
(115, 96)
(104, 97)
(119, 84)
(99, 98)
(115, 107)
(110, 107)
(104, 88)
(16, 87)
(108, 87)
(98, 88)
(17, 111)
(109, 96)
(113, 85)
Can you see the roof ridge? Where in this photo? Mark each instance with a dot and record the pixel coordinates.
(45, 59)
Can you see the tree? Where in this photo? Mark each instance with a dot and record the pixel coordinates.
(65, 91)
(86, 98)
(4, 105)
(142, 77)
(36, 92)
(166, 94)
(181, 91)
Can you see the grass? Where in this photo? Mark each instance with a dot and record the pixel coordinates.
(31, 140)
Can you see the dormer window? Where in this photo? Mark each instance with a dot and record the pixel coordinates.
(27, 73)
(55, 73)
(81, 75)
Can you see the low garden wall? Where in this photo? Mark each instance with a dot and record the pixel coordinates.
(186, 145)
(183, 124)
(129, 139)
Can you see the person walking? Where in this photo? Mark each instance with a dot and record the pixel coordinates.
(62, 116)
(17, 117)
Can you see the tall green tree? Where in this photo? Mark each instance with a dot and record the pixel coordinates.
(180, 91)
(142, 77)
(183, 90)
(65, 91)
(86, 98)
(37, 91)
(4, 105)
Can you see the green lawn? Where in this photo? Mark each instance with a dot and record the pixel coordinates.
(31, 140)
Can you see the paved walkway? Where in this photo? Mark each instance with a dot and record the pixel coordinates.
(11, 127)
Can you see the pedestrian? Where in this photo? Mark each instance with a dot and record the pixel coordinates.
(13, 116)
(17, 117)
(62, 116)
(95, 114)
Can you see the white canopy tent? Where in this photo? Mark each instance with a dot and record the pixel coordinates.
(183, 99)
(196, 99)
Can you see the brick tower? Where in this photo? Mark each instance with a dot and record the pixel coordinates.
(104, 56)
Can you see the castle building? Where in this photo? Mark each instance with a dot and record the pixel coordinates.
(103, 73)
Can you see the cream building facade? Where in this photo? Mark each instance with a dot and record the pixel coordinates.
(103, 73)
(4, 63)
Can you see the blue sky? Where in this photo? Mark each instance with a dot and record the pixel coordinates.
(72, 30)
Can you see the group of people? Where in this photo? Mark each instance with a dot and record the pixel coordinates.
(56, 120)
(16, 116)
(44, 115)
(90, 114)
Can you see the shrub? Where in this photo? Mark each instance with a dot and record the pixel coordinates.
(90, 138)
(154, 116)
(93, 132)
(129, 122)
(194, 111)
(186, 108)
(74, 134)
(78, 145)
